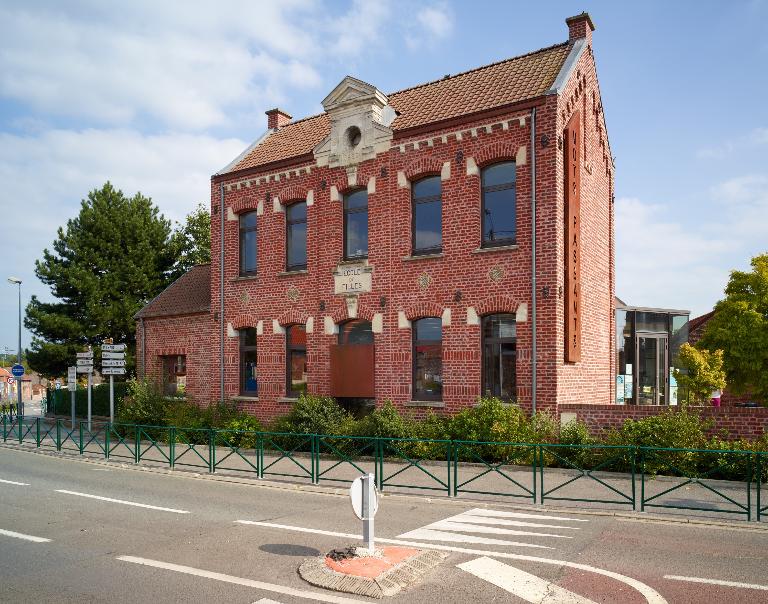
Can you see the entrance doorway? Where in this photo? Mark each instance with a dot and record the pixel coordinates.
(651, 355)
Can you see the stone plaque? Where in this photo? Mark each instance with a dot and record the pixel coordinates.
(352, 278)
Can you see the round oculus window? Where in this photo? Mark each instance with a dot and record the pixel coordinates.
(353, 136)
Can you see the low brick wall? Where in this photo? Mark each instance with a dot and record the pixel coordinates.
(738, 421)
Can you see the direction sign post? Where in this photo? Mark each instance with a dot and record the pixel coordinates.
(112, 364)
(18, 370)
(72, 383)
(365, 503)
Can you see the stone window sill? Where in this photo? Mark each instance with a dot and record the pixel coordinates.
(243, 397)
(243, 278)
(430, 404)
(287, 399)
(422, 257)
(302, 271)
(498, 248)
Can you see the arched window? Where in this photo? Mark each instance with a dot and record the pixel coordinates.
(499, 216)
(356, 331)
(427, 216)
(427, 359)
(499, 333)
(248, 383)
(248, 247)
(356, 225)
(296, 360)
(296, 236)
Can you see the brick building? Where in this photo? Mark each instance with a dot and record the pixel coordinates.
(422, 246)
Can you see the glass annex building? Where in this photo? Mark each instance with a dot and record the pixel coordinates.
(648, 341)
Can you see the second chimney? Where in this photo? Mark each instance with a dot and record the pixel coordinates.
(277, 118)
(580, 26)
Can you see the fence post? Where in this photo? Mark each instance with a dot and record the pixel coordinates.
(456, 449)
(759, 480)
(5, 427)
(211, 450)
(58, 435)
(634, 488)
(749, 486)
(541, 473)
(81, 445)
(642, 480)
(20, 426)
(107, 445)
(314, 455)
(137, 448)
(449, 459)
(379, 461)
(172, 446)
(260, 455)
(37, 432)
(533, 470)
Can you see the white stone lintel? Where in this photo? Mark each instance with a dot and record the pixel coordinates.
(276, 327)
(445, 172)
(402, 321)
(472, 318)
(371, 185)
(377, 325)
(446, 318)
(472, 168)
(310, 325)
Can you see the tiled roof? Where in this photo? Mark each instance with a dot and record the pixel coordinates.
(189, 294)
(495, 85)
(701, 321)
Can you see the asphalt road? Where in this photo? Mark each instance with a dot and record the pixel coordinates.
(194, 539)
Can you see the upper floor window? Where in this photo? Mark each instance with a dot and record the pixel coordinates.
(356, 331)
(499, 204)
(248, 383)
(296, 360)
(248, 243)
(428, 359)
(427, 216)
(356, 224)
(296, 236)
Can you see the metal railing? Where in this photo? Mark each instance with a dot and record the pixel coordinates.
(730, 482)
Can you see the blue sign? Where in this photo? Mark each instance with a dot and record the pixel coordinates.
(17, 370)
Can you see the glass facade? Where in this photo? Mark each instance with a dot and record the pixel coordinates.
(647, 347)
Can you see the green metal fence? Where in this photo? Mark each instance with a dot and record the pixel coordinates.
(729, 482)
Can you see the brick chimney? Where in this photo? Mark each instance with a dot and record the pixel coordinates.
(277, 118)
(580, 26)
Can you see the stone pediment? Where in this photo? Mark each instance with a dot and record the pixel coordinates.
(360, 119)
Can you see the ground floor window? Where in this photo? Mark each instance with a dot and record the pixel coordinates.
(248, 384)
(427, 359)
(296, 356)
(356, 331)
(499, 347)
(174, 374)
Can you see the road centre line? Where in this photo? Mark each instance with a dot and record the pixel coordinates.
(19, 484)
(651, 595)
(717, 582)
(31, 538)
(121, 501)
(524, 585)
(281, 589)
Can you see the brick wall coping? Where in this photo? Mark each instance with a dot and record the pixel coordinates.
(650, 409)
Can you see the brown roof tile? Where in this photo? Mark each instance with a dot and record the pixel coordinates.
(495, 85)
(189, 294)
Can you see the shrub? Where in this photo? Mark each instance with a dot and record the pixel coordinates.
(143, 404)
(386, 421)
(314, 414)
(494, 421)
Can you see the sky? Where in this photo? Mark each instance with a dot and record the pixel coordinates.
(157, 96)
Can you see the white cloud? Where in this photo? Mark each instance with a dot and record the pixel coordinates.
(359, 28)
(756, 138)
(432, 24)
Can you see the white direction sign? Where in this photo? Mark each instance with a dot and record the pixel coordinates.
(85, 369)
(113, 371)
(71, 374)
(112, 355)
(83, 362)
(85, 355)
(113, 347)
(112, 363)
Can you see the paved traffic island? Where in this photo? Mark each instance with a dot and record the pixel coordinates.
(383, 573)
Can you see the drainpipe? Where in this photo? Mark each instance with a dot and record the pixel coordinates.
(533, 260)
(221, 289)
(143, 348)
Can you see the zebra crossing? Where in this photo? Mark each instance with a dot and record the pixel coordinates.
(494, 527)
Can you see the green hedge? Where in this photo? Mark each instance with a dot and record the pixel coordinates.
(60, 401)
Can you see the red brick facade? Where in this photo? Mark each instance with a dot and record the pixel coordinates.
(460, 285)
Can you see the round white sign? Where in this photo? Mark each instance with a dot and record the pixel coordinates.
(356, 497)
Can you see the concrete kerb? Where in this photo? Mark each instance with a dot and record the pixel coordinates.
(463, 502)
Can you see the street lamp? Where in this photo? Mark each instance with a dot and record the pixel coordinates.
(20, 404)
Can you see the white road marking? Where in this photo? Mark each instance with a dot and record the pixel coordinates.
(452, 525)
(133, 503)
(500, 514)
(25, 537)
(281, 589)
(266, 601)
(433, 535)
(520, 583)
(651, 595)
(18, 484)
(468, 518)
(717, 582)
